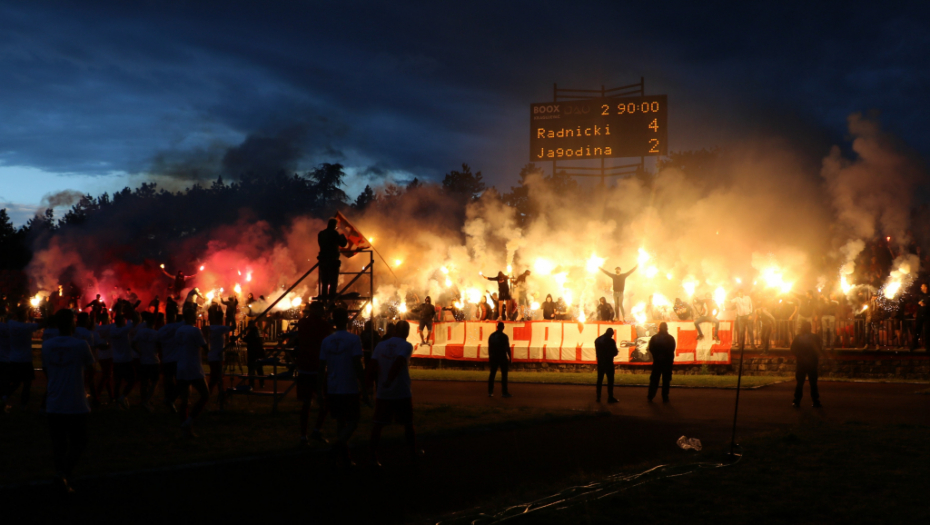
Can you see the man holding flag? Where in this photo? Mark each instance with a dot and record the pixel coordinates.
(330, 241)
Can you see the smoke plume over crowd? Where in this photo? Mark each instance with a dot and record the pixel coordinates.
(761, 219)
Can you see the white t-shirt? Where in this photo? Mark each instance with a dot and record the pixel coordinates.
(337, 352)
(119, 342)
(87, 336)
(217, 342)
(103, 333)
(21, 341)
(4, 344)
(169, 351)
(64, 359)
(144, 341)
(189, 340)
(385, 354)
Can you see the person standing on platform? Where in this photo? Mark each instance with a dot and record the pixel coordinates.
(232, 308)
(503, 295)
(342, 378)
(619, 280)
(330, 240)
(64, 359)
(605, 349)
(662, 348)
(806, 349)
(499, 357)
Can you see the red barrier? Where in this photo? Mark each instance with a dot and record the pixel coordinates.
(568, 341)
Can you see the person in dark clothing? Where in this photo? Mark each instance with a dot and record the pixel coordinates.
(498, 357)
(330, 240)
(426, 312)
(806, 349)
(154, 304)
(311, 330)
(682, 310)
(255, 352)
(706, 312)
(605, 348)
(604, 311)
(232, 307)
(95, 307)
(180, 280)
(171, 310)
(503, 294)
(662, 348)
(619, 280)
(483, 310)
(548, 308)
(370, 340)
(922, 319)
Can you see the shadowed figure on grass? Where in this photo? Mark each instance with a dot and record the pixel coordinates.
(662, 348)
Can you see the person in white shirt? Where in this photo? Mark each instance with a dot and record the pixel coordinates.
(105, 357)
(743, 304)
(145, 344)
(190, 342)
(21, 370)
(342, 377)
(123, 368)
(394, 401)
(84, 331)
(169, 362)
(64, 359)
(218, 333)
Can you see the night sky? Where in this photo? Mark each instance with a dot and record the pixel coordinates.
(99, 95)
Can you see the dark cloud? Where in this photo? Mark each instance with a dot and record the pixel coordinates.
(185, 88)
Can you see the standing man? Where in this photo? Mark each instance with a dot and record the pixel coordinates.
(64, 359)
(169, 362)
(343, 377)
(922, 319)
(218, 336)
(743, 304)
(389, 365)
(504, 298)
(805, 311)
(499, 357)
(312, 329)
(426, 312)
(123, 368)
(232, 307)
(606, 349)
(330, 240)
(662, 348)
(619, 280)
(806, 349)
(145, 341)
(190, 343)
(20, 368)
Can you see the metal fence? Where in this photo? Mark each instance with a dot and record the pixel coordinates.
(847, 333)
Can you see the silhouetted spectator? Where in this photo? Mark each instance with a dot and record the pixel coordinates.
(330, 240)
(705, 311)
(806, 349)
(498, 357)
(921, 319)
(343, 378)
(169, 362)
(255, 352)
(20, 369)
(548, 308)
(503, 295)
(190, 342)
(64, 359)
(605, 349)
(425, 313)
(312, 329)
(662, 348)
(390, 364)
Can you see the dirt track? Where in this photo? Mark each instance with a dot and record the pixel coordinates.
(459, 471)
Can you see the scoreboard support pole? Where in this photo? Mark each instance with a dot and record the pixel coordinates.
(575, 94)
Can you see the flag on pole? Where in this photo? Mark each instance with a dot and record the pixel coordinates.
(357, 241)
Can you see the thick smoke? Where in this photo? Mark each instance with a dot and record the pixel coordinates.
(761, 219)
(60, 198)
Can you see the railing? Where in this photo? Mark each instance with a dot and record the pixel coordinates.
(848, 333)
